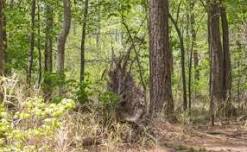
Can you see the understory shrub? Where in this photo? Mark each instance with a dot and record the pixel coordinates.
(32, 126)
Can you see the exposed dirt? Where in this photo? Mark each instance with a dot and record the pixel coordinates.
(221, 138)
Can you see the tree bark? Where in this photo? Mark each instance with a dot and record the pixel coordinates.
(209, 47)
(98, 27)
(61, 43)
(32, 41)
(227, 78)
(6, 71)
(83, 39)
(216, 58)
(193, 32)
(2, 41)
(39, 48)
(160, 59)
(196, 64)
(182, 48)
(48, 68)
(193, 52)
(48, 39)
(239, 65)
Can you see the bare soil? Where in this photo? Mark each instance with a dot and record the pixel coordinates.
(220, 138)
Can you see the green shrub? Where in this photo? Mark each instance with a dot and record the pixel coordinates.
(31, 125)
(109, 99)
(82, 92)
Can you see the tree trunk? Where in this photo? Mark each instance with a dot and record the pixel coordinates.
(48, 39)
(181, 40)
(6, 71)
(2, 41)
(227, 78)
(61, 43)
(209, 47)
(239, 71)
(193, 53)
(32, 41)
(160, 56)
(39, 48)
(196, 63)
(190, 79)
(98, 27)
(83, 39)
(216, 58)
(48, 51)
(193, 32)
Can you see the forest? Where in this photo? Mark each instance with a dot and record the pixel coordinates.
(123, 75)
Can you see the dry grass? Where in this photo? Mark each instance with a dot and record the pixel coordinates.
(84, 131)
(88, 128)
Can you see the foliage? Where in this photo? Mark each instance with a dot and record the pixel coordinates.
(109, 99)
(83, 91)
(111, 24)
(25, 129)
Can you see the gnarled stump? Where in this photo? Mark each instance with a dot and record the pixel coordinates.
(131, 106)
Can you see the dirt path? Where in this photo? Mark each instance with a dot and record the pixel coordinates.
(228, 138)
(179, 138)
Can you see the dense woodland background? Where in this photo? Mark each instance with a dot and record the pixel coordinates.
(119, 75)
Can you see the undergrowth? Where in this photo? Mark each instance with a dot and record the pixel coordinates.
(29, 124)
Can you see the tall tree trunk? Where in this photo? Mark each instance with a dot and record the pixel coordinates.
(62, 41)
(181, 40)
(48, 51)
(190, 80)
(48, 39)
(6, 71)
(227, 78)
(98, 28)
(193, 52)
(209, 48)
(239, 65)
(216, 58)
(32, 41)
(193, 32)
(196, 63)
(83, 39)
(160, 56)
(2, 41)
(39, 48)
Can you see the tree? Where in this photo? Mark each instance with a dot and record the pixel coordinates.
(48, 38)
(2, 41)
(39, 47)
(216, 57)
(62, 38)
(83, 39)
(48, 51)
(193, 36)
(98, 30)
(227, 78)
(220, 57)
(32, 41)
(193, 51)
(160, 58)
(182, 48)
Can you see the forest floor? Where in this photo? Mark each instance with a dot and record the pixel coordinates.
(182, 138)
(221, 138)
